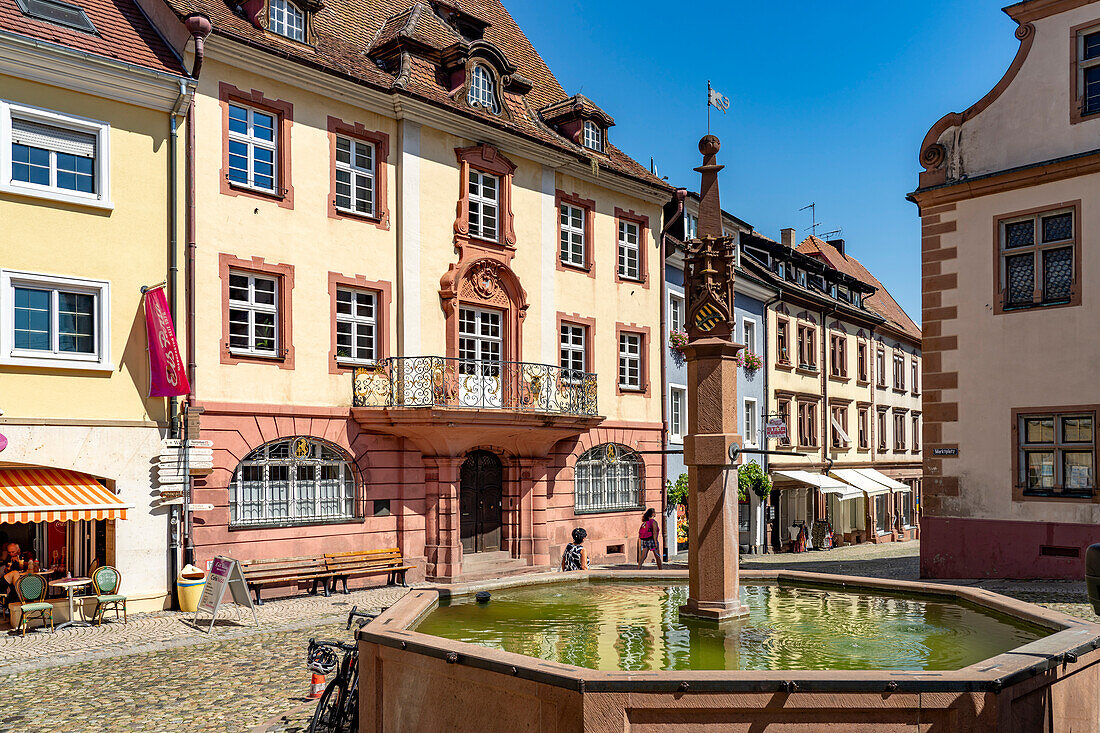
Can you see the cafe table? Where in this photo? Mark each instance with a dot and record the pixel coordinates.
(69, 585)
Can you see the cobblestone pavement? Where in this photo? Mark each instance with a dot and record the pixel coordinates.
(170, 629)
(159, 673)
(901, 560)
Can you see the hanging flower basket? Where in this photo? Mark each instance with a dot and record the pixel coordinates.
(677, 343)
(749, 361)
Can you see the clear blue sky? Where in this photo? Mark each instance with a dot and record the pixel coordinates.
(828, 101)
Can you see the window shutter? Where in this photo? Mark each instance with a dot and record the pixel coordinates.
(37, 135)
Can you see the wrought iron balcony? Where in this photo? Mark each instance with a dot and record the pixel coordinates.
(443, 382)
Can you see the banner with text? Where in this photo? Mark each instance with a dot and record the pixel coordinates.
(167, 377)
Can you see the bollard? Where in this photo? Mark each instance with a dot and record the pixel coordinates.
(1092, 576)
(316, 686)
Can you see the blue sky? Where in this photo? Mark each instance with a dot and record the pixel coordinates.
(828, 101)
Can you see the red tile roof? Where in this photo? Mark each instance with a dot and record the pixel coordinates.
(880, 302)
(348, 30)
(122, 33)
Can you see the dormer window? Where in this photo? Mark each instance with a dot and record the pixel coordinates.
(287, 20)
(593, 136)
(481, 93)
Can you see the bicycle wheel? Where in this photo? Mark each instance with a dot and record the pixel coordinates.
(351, 704)
(327, 718)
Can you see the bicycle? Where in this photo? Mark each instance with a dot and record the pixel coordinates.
(338, 709)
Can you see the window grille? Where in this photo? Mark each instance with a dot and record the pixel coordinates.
(608, 478)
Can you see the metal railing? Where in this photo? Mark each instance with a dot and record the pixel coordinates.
(437, 381)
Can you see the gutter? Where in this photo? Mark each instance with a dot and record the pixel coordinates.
(767, 499)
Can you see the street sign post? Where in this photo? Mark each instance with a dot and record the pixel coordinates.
(225, 572)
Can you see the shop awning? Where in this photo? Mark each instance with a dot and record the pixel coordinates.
(55, 495)
(896, 486)
(867, 485)
(827, 484)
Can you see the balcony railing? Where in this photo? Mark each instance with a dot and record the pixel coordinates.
(437, 381)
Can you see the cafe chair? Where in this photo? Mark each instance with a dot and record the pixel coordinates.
(106, 581)
(32, 596)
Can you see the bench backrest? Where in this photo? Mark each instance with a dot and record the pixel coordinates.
(363, 559)
(279, 566)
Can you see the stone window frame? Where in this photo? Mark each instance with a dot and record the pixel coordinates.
(589, 325)
(810, 365)
(1019, 490)
(863, 426)
(1077, 68)
(284, 275)
(783, 350)
(863, 362)
(381, 142)
(642, 221)
(284, 120)
(900, 420)
(486, 159)
(837, 407)
(383, 295)
(1076, 289)
(643, 368)
(783, 404)
(813, 404)
(838, 355)
(588, 206)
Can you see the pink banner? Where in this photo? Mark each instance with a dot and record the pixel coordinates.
(167, 377)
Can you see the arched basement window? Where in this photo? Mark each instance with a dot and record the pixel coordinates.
(293, 481)
(608, 478)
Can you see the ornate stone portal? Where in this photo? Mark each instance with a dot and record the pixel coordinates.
(712, 417)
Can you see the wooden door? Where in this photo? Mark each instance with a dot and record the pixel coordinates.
(480, 499)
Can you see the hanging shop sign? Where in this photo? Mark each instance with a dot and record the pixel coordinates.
(225, 573)
(167, 376)
(3, 441)
(776, 429)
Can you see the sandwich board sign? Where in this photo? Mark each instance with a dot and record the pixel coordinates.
(225, 572)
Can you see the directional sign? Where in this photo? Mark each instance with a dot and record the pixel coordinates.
(177, 443)
(175, 478)
(199, 507)
(173, 502)
(170, 494)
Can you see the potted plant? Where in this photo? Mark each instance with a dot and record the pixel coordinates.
(677, 343)
(749, 361)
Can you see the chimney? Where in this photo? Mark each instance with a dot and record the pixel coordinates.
(839, 244)
(788, 238)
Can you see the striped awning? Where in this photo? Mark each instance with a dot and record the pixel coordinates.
(55, 495)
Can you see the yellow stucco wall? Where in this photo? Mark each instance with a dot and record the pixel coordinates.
(126, 246)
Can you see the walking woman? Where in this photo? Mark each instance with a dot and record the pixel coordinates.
(649, 536)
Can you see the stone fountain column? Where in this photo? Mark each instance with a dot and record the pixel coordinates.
(712, 408)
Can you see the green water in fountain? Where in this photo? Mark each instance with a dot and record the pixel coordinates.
(623, 625)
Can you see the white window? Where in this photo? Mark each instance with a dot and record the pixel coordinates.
(1088, 70)
(691, 226)
(253, 148)
(356, 326)
(630, 361)
(593, 136)
(572, 351)
(481, 92)
(354, 176)
(50, 155)
(484, 205)
(629, 256)
(675, 312)
(677, 413)
(253, 314)
(480, 338)
(286, 20)
(295, 481)
(752, 417)
(54, 321)
(572, 235)
(608, 478)
(748, 334)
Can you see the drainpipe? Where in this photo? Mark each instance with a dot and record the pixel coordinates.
(767, 344)
(200, 27)
(826, 412)
(670, 535)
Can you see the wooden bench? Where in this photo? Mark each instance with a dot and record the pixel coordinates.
(342, 565)
(286, 570)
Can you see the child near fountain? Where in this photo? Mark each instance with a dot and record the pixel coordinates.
(575, 556)
(649, 535)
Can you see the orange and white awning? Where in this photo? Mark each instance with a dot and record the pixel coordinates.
(55, 495)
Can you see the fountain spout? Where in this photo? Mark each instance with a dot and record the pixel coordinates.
(711, 354)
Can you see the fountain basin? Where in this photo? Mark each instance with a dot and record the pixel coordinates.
(410, 680)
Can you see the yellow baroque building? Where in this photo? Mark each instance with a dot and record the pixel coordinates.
(425, 291)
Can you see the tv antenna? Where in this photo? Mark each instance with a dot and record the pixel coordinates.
(833, 234)
(812, 206)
